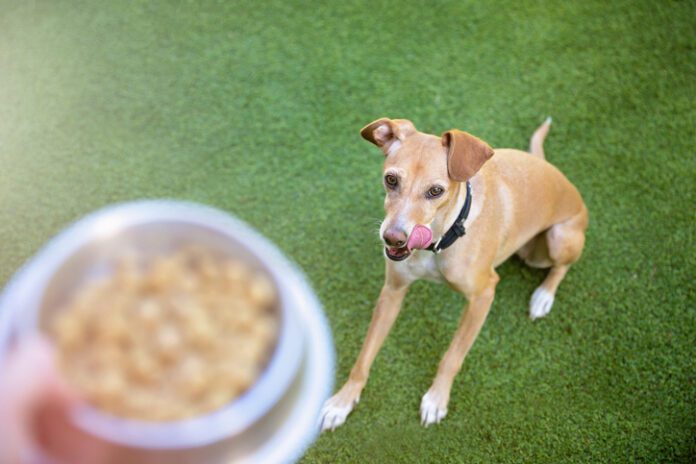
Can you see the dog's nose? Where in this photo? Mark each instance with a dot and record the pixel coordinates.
(395, 237)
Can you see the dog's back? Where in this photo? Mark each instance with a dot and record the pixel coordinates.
(531, 193)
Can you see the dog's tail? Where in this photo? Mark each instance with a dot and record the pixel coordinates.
(536, 143)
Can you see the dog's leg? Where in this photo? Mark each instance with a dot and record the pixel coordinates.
(542, 298)
(434, 403)
(535, 253)
(337, 408)
(565, 242)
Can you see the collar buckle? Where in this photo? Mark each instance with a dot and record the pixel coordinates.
(436, 248)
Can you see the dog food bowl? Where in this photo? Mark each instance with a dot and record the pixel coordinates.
(274, 420)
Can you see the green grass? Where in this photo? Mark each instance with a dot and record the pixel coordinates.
(255, 107)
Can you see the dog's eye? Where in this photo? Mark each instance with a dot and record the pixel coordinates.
(434, 192)
(391, 181)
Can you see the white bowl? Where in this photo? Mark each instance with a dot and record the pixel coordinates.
(275, 419)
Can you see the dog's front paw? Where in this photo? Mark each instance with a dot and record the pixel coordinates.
(540, 304)
(433, 408)
(335, 411)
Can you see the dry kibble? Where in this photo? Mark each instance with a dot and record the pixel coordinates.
(242, 317)
(242, 374)
(169, 340)
(218, 398)
(249, 348)
(200, 330)
(69, 331)
(265, 329)
(112, 327)
(107, 356)
(137, 401)
(261, 291)
(142, 367)
(128, 272)
(209, 269)
(110, 387)
(187, 282)
(149, 312)
(183, 304)
(235, 273)
(194, 385)
(193, 377)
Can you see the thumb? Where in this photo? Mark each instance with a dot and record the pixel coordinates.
(29, 383)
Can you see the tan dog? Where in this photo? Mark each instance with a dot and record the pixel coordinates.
(520, 204)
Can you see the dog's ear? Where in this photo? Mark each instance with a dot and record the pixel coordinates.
(384, 131)
(465, 154)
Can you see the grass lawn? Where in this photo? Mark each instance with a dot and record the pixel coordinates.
(255, 108)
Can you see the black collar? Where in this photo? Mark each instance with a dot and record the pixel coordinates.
(457, 230)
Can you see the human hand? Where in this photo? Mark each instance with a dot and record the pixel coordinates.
(35, 404)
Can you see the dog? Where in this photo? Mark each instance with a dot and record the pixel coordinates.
(483, 206)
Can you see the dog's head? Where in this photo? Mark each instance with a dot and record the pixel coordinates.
(422, 175)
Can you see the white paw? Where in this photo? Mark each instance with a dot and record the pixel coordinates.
(432, 412)
(334, 414)
(540, 304)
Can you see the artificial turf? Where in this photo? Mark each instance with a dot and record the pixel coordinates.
(254, 107)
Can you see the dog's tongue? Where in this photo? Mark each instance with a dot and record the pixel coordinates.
(420, 238)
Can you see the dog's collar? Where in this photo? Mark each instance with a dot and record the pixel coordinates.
(457, 230)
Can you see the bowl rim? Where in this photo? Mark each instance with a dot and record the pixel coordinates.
(228, 421)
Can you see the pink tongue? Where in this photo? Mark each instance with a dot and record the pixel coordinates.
(420, 238)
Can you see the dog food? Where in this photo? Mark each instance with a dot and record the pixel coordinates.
(173, 338)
